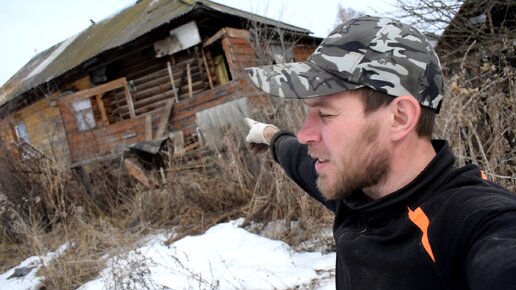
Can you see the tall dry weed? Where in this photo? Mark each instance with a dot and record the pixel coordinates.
(479, 120)
(91, 242)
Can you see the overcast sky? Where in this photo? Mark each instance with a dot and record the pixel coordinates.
(31, 26)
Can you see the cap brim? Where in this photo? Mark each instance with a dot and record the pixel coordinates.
(298, 80)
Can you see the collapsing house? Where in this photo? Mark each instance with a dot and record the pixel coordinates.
(159, 70)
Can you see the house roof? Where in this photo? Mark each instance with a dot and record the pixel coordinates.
(122, 28)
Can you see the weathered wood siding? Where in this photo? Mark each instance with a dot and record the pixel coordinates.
(108, 140)
(7, 133)
(239, 55)
(303, 51)
(189, 77)
(44, 128)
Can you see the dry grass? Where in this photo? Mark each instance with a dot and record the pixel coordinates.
(479, 120)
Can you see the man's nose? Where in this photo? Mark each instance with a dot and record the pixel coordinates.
(309, 133)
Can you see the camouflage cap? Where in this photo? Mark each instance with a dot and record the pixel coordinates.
(380, 53)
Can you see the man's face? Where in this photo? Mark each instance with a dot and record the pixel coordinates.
(349, 146)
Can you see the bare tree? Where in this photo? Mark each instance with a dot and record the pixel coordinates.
(272, 44)
(346, 13)
(485, 26)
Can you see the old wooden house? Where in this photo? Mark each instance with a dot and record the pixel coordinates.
(160, 69)
(482, 31)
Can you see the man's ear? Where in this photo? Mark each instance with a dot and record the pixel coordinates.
(405, 112)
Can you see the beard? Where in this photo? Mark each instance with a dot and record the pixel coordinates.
(366, 166)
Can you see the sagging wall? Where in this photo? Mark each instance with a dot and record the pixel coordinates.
(201, 77)
(90, 135)
(40, 127)
(201, 81)
(136, 104)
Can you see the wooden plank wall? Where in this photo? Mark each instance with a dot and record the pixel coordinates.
(44, 127)
(239, 55)
(107, 140)
(6, 134)
(303, 51)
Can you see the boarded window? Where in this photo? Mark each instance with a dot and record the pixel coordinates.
(83, 113)
(21, 132)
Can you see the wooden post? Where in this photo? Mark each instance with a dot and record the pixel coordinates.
(165, 115)
(179, 143)
(172, 81)
(189, 79)
(103, 114)
(207, 68)
(148, 127)
(129, 99)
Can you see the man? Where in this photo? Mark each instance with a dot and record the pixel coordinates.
(405, 216)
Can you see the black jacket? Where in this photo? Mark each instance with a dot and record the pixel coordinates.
(447, 229)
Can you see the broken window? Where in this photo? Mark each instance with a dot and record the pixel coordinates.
(83, 112)
(21, 132)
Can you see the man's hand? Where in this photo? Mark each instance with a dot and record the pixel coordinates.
(260, 135)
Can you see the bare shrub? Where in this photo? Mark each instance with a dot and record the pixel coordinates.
(40, 198)
(480, 123)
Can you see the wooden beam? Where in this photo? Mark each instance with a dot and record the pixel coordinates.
(238, 33)
(172, 81)
(148, 127)
(214, 38)
(165, 115)
(129, 100)
(102, 109)
(189, 79)
(207, 68)
(227, 32)
(100, 89)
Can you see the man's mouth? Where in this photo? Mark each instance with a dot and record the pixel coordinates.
(320, 163)
(321, 159)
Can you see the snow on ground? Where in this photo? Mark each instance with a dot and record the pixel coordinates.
(225, 257)
(28, 268)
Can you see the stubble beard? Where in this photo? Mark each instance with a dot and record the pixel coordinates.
(367, 166)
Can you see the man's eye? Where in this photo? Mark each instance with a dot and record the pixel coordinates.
(325, 115)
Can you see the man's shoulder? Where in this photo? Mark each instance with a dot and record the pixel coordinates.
(467, 190)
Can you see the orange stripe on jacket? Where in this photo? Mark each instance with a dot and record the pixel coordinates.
(419, 218)
(483, 175)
